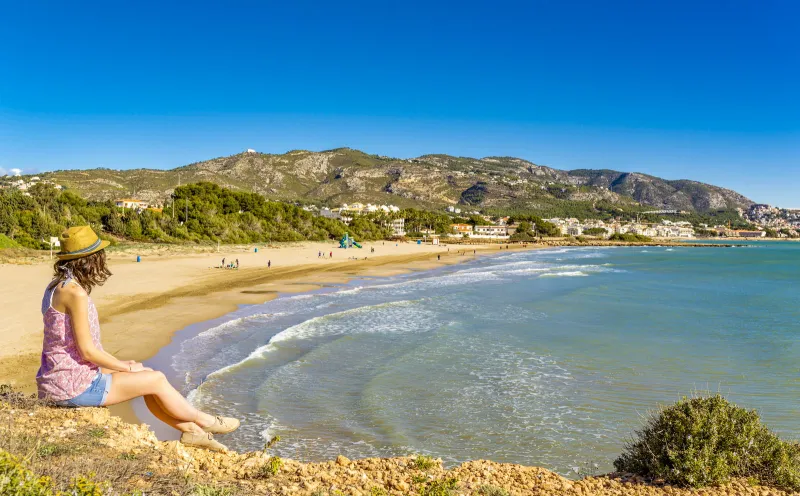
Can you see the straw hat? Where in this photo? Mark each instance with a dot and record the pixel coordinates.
(79, 241)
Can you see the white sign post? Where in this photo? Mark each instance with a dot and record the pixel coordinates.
(54, 242)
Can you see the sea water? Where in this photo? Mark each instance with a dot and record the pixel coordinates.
(547, 358)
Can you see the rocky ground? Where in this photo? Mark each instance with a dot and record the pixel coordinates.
(62, 443)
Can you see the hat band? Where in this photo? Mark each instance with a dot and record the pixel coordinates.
(83, 250)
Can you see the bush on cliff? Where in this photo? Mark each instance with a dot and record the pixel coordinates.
(630, 238)
(707, 441)
(17, 479)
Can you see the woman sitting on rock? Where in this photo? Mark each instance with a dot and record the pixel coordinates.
(75, 370)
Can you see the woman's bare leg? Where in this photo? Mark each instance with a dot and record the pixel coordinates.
(158, 411)
(128, 385)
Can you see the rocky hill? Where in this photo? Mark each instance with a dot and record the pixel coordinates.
(430, 181)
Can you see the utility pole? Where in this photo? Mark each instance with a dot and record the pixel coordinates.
(173, 196)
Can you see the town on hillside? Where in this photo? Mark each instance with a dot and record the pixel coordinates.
(768, 221)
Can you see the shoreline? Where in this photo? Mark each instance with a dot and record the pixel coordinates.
(136, 412)
(340, 274)
(132, 446)
(192, 294)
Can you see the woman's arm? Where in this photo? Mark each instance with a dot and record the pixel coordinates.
(76, 302)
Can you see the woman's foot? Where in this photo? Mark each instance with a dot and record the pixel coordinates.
(203, 440)
(222, 425)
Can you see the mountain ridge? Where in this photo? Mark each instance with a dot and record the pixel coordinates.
(345, 175)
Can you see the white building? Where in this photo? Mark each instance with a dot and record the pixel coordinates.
(330, 214)
(491, 230)
(398, 227)
(131, 203)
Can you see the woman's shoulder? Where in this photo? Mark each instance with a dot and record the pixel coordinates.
(71, 291)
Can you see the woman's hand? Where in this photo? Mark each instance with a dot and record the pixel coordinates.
(138, 367)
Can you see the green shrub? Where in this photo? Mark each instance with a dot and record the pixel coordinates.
(492, 491)
(6, 242)
(85, 485)
(205, 490)
(707, 441)
(97, 432)
(17, 480)
(630, 238)
(594, 231)
(422, 462)
(443, 487)
(270, 468)
(54, 449)
(377, 491)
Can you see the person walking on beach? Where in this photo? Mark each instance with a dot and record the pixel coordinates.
(331, 254)
(237, 263)
(269, 264)
(223, 263)
(75, 369)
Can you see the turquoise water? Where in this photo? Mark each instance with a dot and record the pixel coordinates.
(543, 358)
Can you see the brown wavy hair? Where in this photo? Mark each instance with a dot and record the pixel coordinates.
(88, 271)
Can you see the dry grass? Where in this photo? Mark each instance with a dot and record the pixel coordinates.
(81, 453)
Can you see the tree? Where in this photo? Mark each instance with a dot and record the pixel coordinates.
(133, 228)
(524, 232)
(595, 231)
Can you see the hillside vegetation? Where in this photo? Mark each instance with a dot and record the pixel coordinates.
(501, 184)
(203, 212)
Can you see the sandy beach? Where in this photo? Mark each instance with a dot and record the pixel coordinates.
(144, 303)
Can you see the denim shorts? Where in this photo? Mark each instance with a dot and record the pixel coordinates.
(95, 394)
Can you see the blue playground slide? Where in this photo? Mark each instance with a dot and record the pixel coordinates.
(348, 242)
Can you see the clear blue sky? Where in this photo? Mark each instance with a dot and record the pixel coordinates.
(703, 90)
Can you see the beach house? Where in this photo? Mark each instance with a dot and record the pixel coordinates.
(492, 231)
(461, 229)
(132, 204)
(398, 227)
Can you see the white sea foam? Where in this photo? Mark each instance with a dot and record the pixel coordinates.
(462, 277)
(354, 290)
(530, 270)
(574, 273)
(303, 296)
(326, 325)
(269, 432)
(594, 254)
(219, 329)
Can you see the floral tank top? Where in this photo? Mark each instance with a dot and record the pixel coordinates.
(63, 373)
